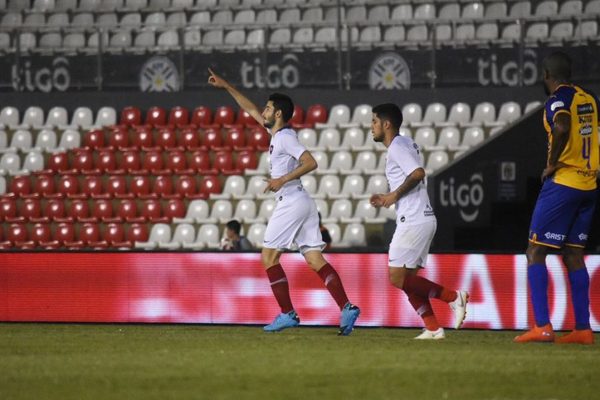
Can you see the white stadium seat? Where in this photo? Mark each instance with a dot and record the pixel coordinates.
(160, 234)
(184, 235)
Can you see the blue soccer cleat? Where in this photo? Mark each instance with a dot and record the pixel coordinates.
(350, 314)
(283, 321)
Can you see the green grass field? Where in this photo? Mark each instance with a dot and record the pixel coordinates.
(73, 361)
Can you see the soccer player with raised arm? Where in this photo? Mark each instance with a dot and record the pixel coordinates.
(415, 223)
(565, 206)
(295, 220)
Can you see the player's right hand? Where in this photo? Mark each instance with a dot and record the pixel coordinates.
(215, 80)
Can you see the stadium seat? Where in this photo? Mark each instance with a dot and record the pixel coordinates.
(259, 139)
(189, 138)
(31, 210)
(130, 161)
(341, 208)
(177, 162)
(354, 236)
(163, 186)
(366, 213)
(151, 211)
(202, 117)
(487, 31)
(329, 138)
(64, 233)
(179, 117)
(532, 106)
(156, 116)
(435, 114)
(166, 138)
(93, 186)
(412, 113)
(208, 236)
(212, 138)
(329, 185)
(472, 137)
(496, 10)
(256, 234)
(159, 235)
(137, 233)
(222, 211)
(114, 236)
(352, 138)
(316, 113)
(83, 162)
(485, 113)
(209, 184)
(184, 235)
(417, 34)
(102, 210)
(20, 185)
(127, 211)
(8, 209)
(106, 116)
(449, 139)
(354, 185)
(34, 162)
(546, 9)
(174, 208)
(9, 117)
(587, 29)
(79, 210)
(562, 30)
(537, 31)
(54, 210)
(116, 186)
(235, 186)
(107, 20)
(140, 187)
(366, 161)
(520, 9)
(196, 212)
(153, 161)
(245, 211)
(266, 209)
(142, 138)
(200, 162)
(436, 160)
(45, 140)
(223, 163)
(130, 116)
(341, 162)
(106, 162)
(10, 163)
(339, 114)
(21, 141)
(307, 137)
(335, 233)
(376, 184)
(509, 112)
(425, 137)
(185, 186)
(94, 139)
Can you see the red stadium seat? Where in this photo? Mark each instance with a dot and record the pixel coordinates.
(137, 233)
(118, 138)
(259, 139)
(79, 210)
(140, 186)
(130, 161)
(224, 116)
(114, 235)
(151, 211)
(116, 186)
(212, 138)
(131, 116)
(235, 138)
(246, 160)
(90, 235)
(163, 186)
(68, 185)
(31, 210)
(179, 116)
(20, 185)
(189, 138)
(44, 185)
(83, 162)
(185, 186)
(54, 210)
(224, 162)
(58, 162)
(297, 117)
(200, 162)
(8, 209)
(65, 234)
(175, 208)
(93, 139)
(210, 184)
(316, 113)
(177, 162)
(102, 210)
(202, 116)
(127, 211)
(156, 116)
(106, 162)
(167, 139)
(142, 138)
(245, 119)
(93, 186)
(17, 235)
(153, 161)
(41, 234)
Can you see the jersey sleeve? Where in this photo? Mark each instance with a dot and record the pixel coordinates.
(407, 158)
(559, 102)
(292, 146)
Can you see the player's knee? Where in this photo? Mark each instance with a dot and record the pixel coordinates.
(269, 258)
(397, 280)
(573, 258)
(536, 254)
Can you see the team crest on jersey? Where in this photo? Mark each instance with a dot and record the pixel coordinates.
(159, 74)
(271, 149)
(556, 104)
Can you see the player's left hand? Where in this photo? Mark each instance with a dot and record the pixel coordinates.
(388, 199)
(274, 185)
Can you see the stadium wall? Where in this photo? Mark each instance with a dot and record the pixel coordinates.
(217, 288)
(303, 97)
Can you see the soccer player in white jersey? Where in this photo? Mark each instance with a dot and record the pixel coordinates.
(415, 223)
(295, 220)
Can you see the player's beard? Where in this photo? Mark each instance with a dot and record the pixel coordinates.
(377, 138)
(268, 124)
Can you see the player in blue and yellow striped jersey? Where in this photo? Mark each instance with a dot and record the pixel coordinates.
(563, 213)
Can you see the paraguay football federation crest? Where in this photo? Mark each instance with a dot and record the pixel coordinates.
(389, 71)
(159, 74)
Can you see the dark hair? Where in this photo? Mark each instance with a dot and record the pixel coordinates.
(234, 226)
(558, 66)
(389, 112)
(284, 104)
